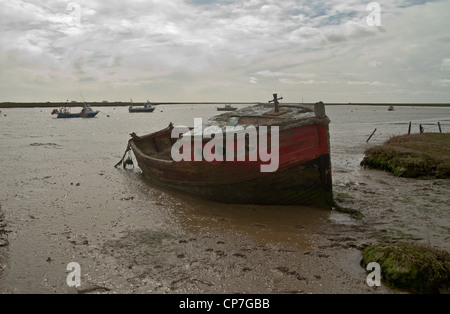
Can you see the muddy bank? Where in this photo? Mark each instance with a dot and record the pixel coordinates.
(412, 156)
(3, 239)
(249, 249)
(65, 202)
(148, 261)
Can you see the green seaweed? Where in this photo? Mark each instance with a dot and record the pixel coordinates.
(344, 196)
(415, 268)
(354, 213)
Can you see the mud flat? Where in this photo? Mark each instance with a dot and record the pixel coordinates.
(64, 202)
(406, 264)
(412, 156)
(3, 240)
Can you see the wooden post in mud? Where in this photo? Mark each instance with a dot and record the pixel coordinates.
(439, 125)
(409, 129)
(420, 128)
(371, 135)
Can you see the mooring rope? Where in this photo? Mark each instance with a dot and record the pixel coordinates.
(127, 161)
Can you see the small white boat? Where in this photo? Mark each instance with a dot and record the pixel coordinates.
(148, 107)
(145, 108)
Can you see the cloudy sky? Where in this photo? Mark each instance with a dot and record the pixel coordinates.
(225, 50)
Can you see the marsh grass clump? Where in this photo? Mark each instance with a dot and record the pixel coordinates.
(412, 156)
(415, 268)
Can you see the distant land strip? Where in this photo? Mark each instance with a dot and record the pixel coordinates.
(118, 104)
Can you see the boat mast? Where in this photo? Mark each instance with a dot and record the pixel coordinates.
(85, 104)
(275, 101)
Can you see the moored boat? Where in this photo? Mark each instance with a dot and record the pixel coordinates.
(145, 108)
(64, 112)
(296, 171)
(226, 108)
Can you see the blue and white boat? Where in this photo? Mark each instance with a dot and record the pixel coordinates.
(64, 113)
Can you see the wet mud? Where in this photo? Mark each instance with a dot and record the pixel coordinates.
(65, 202)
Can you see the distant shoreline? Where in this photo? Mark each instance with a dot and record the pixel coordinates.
(107, 104)
(123, 104)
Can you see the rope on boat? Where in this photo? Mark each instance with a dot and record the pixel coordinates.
(128, 161)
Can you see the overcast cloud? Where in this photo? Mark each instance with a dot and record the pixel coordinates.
(229, 50)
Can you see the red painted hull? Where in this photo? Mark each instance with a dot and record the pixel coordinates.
(303, 176)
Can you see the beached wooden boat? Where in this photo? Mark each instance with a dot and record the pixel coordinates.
(64, 113)
(303, 175)
(226, 108)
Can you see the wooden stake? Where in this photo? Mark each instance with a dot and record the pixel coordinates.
(409, 129)
(371, 135)
(439, 125)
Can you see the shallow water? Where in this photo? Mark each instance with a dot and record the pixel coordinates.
(65, 202)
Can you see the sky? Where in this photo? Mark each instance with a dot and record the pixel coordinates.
(225, 50)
